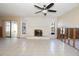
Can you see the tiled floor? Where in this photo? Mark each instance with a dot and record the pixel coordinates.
(71, 43)
(35, 47)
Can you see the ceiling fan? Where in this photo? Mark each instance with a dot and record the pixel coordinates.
(45, 9)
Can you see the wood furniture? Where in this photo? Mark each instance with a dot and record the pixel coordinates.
(74, 37)
(70, 34)
(1, 32)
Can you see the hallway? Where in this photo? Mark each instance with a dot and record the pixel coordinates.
(35, 47)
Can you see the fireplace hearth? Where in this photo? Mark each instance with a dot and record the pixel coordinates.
(38, 32)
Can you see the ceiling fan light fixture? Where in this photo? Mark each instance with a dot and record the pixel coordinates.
(44, 11)
(45, 14)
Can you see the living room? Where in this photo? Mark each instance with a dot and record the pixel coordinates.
(29, 31)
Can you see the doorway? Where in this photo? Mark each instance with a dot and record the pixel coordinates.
(10, 29)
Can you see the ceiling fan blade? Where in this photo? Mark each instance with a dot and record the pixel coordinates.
(39, 7)
(52, 10)
(50, 5)
(38, 12)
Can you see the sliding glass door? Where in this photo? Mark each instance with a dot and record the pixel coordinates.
(13, 29)
(7, 29)
(10, 29)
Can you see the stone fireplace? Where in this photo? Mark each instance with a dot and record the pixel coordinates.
(38, 32)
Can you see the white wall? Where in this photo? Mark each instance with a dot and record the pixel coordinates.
(43, 23)
(71, 18)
